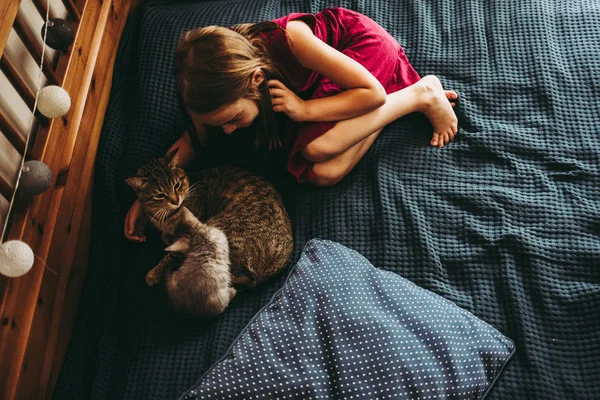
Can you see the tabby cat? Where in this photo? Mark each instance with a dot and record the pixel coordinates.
(236, 221)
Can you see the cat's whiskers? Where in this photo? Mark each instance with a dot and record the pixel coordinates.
(166, 214)
(160, 216)
(192, 190)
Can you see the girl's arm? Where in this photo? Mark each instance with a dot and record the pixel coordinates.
(362, 91)
(185, 154)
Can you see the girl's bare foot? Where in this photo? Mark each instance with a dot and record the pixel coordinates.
(436, 107)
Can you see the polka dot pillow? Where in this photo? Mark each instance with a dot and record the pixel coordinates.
(342, 329)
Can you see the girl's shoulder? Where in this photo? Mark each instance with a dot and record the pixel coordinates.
(325, 22)
(308, 18)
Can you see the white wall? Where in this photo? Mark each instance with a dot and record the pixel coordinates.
(11, 104)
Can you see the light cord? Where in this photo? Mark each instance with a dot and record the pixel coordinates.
(37, 95)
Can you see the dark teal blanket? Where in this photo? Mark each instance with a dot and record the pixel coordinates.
(504, 222)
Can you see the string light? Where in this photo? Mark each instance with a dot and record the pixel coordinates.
(60, 34)
(36, 178)
(53, 101)
(16, 257)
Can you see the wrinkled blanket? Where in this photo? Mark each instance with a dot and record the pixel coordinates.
(504, 222)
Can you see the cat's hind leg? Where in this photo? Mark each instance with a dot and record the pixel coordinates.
(168, 262)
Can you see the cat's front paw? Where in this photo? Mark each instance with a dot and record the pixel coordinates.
(153, 277)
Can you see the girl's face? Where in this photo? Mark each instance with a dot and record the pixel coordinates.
(230, 117)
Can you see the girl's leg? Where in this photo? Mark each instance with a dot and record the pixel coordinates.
(331, 172)
(426, 96)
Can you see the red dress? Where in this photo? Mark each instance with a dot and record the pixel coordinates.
(353, 34)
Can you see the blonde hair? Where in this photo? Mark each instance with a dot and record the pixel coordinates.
(214, 66)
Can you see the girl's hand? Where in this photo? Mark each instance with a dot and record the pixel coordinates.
(286, 101)
(135, 222)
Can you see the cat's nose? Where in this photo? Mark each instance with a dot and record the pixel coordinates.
(174, 199)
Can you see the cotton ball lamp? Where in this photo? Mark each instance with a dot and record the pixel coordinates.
(53, 101)
(16, 258)
(60, 35)
(35, 178)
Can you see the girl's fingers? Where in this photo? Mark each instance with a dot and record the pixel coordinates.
(275, 83)
(128, 225)
(130, 228)
(279, 108)
(276, 92)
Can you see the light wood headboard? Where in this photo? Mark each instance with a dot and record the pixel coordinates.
(37, 310)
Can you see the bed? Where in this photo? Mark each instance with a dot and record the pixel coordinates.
(504, 222)
(37, 309)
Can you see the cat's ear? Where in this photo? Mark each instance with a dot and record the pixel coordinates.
(136, 183)
(171, 158)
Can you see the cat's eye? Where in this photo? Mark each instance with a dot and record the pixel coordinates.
(160, 196)
(177, 185)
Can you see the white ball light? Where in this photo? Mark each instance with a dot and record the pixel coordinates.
(53, 101)
(16, 258)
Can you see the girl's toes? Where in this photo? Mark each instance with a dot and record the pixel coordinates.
(441, 140)
(435, 140)
(451, 95)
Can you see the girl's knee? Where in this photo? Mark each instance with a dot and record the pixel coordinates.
(327, 175)
(318, 150)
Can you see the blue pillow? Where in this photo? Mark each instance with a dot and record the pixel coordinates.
(340, 328)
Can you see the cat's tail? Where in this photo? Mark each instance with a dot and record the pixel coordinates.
(196, 301)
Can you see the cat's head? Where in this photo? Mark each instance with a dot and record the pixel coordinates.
(160, 186)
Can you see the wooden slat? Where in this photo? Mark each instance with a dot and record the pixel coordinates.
(12, 135)
(72, 9)
(32, 351)
(67, 298)
(8, 13)
(34, 48)
(21, 87)
(40, 6)
(79, 4)
(5, 189)
(18, 83)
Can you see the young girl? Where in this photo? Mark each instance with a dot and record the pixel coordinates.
(338, 76)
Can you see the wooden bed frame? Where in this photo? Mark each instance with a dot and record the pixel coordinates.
(37, 310)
